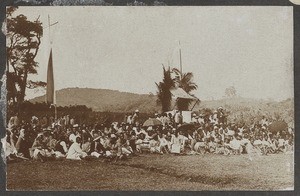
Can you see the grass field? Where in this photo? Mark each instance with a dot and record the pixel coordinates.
(156, 172)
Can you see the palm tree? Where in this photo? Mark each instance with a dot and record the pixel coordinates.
(184, 81)
(164, 96)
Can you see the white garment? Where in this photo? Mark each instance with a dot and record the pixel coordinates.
(163, 142)
(230, 132)
(75, 152)
(59, 154)
(129, 119)
(43, 152)
(176, 144)
(280, 142)
(245, 141)
(72, 137)
(257, 142)
(200, 120)
(95, 154)
(9, 149)
(194, 120)
(198, 145)
(235, 144)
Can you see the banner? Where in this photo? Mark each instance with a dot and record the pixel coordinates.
(50, 81)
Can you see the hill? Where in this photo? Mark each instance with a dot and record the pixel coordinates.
(241, 109)
(104, 100)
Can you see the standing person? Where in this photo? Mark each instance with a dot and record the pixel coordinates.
(176, 117)
(72, 121)
(132, 141)
(164, 119)
(221, 115)
(44, 122)
(51, 121)
(135, 117)
(180, 118)
(62, 122)
(163, 143)
(67, 120)
(176, 143)
(129, 119)
(171, 118)
(183, 139)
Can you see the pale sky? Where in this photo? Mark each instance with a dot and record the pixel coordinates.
(123, 48)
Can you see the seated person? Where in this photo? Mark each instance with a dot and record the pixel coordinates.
(154, 145)
(75, 152)
(142, 143)
(40, 150)
(200, 144)
(227, 146)
(11, 151)
(219, 145)
(257, 144)
(281, 144)
(96, 148)
(211, 145)
(60, 148)
(244, 143)
(266, 145)
(235, 145)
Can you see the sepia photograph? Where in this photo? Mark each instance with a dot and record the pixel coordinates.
(149, 98)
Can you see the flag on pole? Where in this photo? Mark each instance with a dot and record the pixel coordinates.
(50, 81)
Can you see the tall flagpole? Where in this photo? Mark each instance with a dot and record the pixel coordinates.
(180, 57)
(51, 64)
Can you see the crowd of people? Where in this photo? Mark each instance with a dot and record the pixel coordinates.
(46, 138)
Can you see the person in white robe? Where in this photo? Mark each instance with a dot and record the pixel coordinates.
(75, 152)
(176, 143)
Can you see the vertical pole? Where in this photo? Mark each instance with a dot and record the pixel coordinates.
(54, 101)
(55, 112)
(49, 29)
(180, 58)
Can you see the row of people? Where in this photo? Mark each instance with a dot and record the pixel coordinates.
(123, 139)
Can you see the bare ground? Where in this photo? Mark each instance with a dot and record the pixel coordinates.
(156, 172)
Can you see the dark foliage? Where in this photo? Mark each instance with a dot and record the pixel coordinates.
(81, 113)
(164, 96)
(23, 41)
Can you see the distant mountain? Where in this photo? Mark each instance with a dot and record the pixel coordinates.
(116, 101)
(104, 100)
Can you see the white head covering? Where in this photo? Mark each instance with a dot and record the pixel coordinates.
(149, 128)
